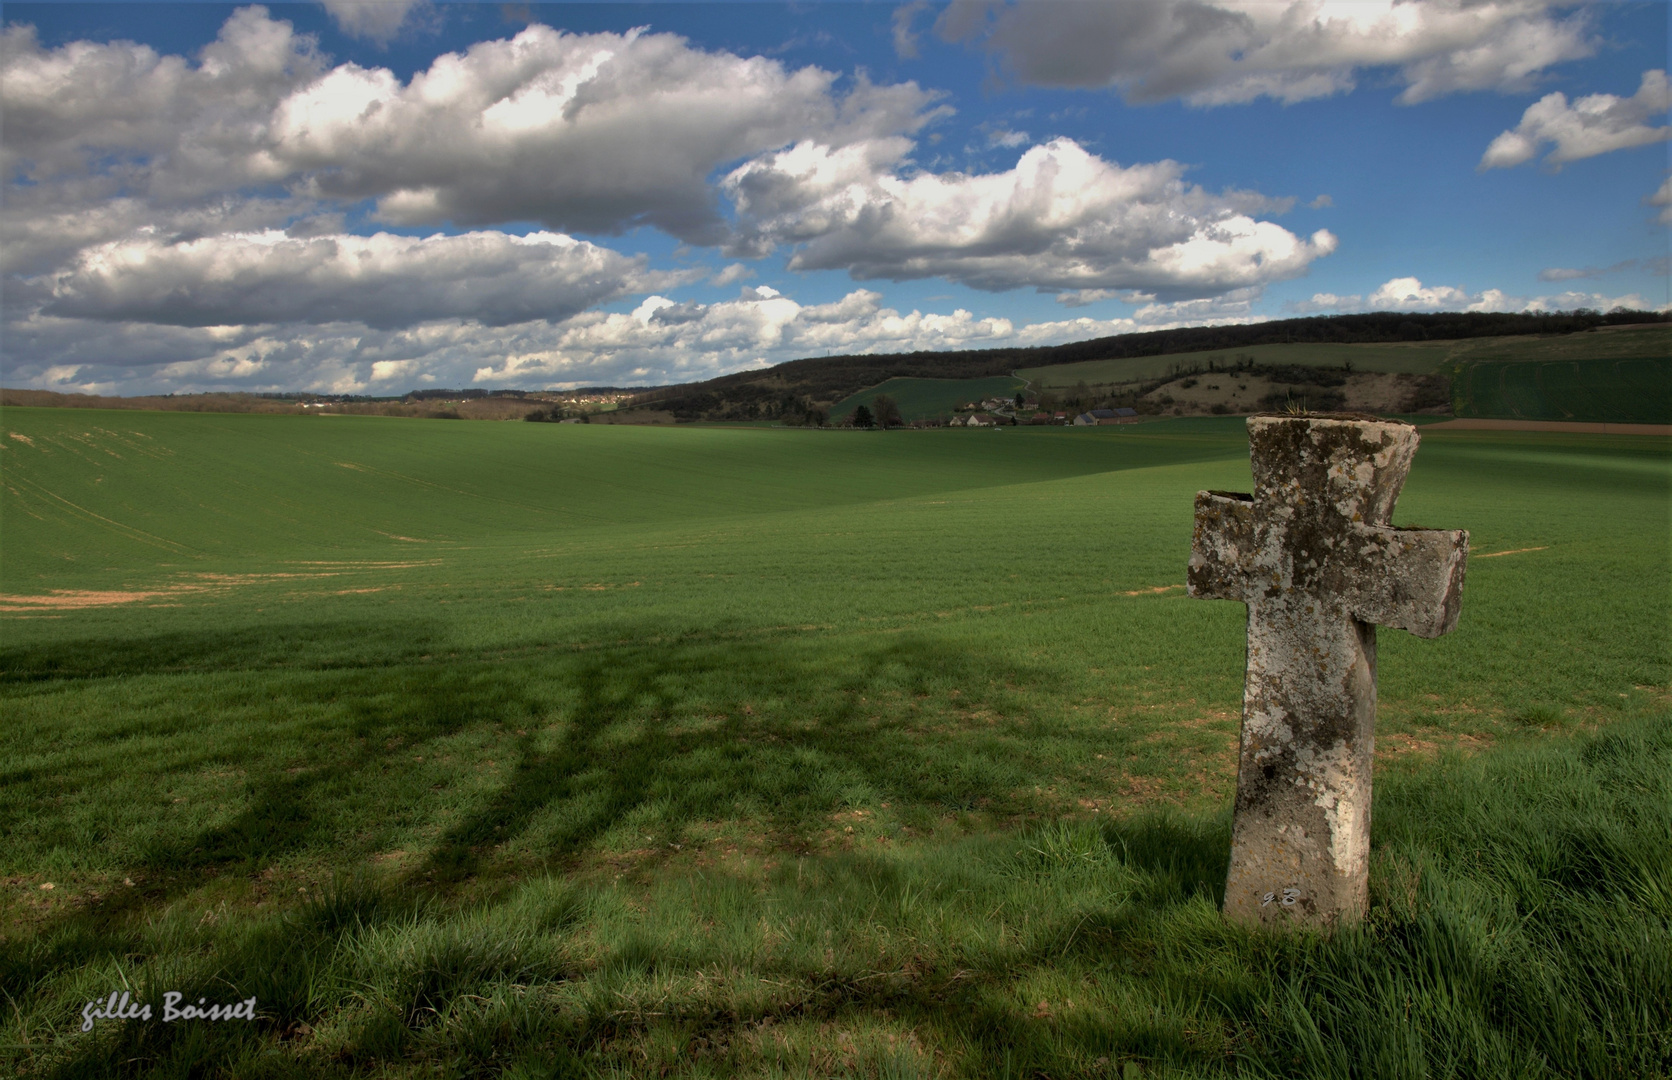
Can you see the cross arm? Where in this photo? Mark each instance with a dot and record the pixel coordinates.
(1222, 549)
(1408, 578)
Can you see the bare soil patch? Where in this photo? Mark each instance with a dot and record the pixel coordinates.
(198, 584)
(1395, 745)
(73, 599)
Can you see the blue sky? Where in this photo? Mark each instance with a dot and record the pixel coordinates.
(377, 197)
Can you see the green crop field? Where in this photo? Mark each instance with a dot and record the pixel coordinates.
(483, 749)
(921, 399)
(1637, 391)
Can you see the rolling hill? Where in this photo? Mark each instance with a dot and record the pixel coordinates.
(1386, 341)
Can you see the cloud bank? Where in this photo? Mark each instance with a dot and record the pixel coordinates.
(659, 341)
(591, 132)
(184, 222)
(1410, 294)
(382, 281)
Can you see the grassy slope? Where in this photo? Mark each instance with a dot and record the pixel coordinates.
(676, 666)
(1610, 343)
(106, 495)
(1455, 357)
(920, 399)
(1416, 358)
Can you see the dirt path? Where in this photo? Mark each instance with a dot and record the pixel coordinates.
(1551, 425)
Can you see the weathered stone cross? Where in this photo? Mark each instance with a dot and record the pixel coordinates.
(1313, 557)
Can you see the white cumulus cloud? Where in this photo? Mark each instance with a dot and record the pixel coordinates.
(1409, 294)
(383, 281)
(1214, 52)
(595, 132)
(173, 128)
(1062, 218)
(1591, 125)
(374, 20)
(591, 132)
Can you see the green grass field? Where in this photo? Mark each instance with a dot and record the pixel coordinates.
(539, 750)
(922, 399)
(1635, 391)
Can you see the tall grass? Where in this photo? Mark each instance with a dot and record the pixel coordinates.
(1520, 927)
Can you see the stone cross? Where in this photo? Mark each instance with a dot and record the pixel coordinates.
(1312, 555)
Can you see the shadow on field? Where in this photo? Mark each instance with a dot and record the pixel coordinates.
(1532, 942)
(671, 736)
(664, 737)
(412, 977)
(297, 811)
(327, 726)
(292, 645)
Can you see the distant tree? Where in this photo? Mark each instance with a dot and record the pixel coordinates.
(1020, 400)
(817, 417)
(862, 418)
(888, 413)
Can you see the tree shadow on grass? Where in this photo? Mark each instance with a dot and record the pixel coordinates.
(669, 737)
(665, 735)
(289, 812)
(303, 646)
(295, 966)
(779, 730)
(365, 686)
(1190, 994)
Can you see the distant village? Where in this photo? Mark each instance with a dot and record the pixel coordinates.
(999, 412)
(996, 411)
